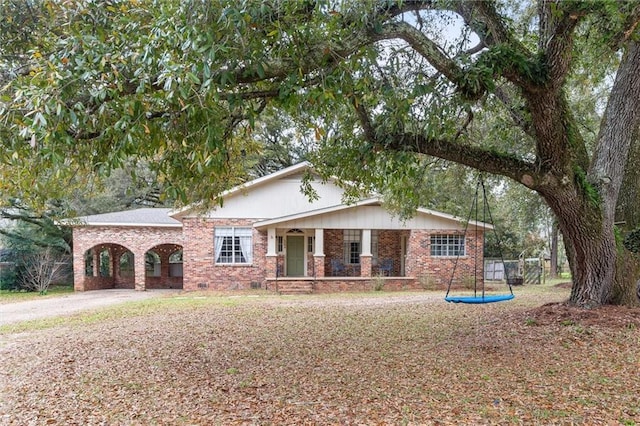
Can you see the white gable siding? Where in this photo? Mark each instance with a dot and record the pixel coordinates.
(370, 217)
(282, 197)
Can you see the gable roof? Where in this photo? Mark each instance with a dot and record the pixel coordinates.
(165, 217)
(266, 207)
(261, 181)
(154, 217)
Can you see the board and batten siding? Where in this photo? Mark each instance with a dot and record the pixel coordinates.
(371, 217)
(282, 197)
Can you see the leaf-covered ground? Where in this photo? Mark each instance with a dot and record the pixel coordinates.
(355, 359)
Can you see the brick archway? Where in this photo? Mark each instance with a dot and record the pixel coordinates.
(102, 267)
(117, 240)
(161, 274)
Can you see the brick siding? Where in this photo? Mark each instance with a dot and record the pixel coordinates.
(201, 271)
(437, 269)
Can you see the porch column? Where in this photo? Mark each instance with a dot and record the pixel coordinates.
(96, 262)
(114, 258)
(365, 265)
(79, 265)
(164, 268)
(139, 271)
(318, 254)
(271, 258)
(271, 265)
(366, 242)
(271, 242)
(366, 256)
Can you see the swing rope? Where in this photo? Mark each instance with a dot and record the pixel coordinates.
(483, 298)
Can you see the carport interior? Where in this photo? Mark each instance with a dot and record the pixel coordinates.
(114, 266)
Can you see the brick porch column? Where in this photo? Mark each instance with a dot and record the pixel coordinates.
(112, 265)
(271, 265)
(78, 268)
(366, 257)
(164, 268)
(318, 262)
(96, 261)
(139, 271)
(365, 265)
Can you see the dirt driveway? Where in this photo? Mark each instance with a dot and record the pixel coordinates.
(71, 303)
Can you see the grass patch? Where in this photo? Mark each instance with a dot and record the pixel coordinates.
(171, 305)
(11, 296)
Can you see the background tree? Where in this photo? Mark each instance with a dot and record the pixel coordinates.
(521, 222)
(26, 230)
(35, 249)
(40, 269)
(129, 187)
(278, 144)
(382, 85)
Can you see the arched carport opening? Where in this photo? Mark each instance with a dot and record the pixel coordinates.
(163, 267)
(108, 266)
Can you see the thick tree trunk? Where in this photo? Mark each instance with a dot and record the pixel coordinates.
(592, 269)
(590, 245)
(586, 208)
(625, 288)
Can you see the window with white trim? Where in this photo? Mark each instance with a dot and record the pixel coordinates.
(351, 245)
(447, 245)
(233, 245)
(311, 243)
(280, 244)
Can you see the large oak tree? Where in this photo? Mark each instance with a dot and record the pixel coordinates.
(384, 85)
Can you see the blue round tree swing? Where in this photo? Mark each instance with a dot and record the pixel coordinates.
(479, 295)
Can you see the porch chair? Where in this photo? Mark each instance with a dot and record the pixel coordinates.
(337, 268)
(386, 267)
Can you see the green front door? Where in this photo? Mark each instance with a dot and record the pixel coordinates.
(295, 256)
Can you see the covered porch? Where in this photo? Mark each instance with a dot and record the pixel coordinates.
(336, 253)
(305, 260)
(362, 247)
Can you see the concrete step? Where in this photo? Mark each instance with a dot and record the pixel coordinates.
(295, 288)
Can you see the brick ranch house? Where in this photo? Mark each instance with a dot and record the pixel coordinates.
(268, 235)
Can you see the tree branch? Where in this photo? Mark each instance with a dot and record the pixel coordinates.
(503, 164)
(484, 20)
(326, 54)
(422, 44)
(365, 121)
(557, 24)
(517, 117)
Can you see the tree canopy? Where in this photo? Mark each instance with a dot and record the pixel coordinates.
(545, 93)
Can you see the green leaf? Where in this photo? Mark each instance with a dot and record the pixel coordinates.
(194, 78)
